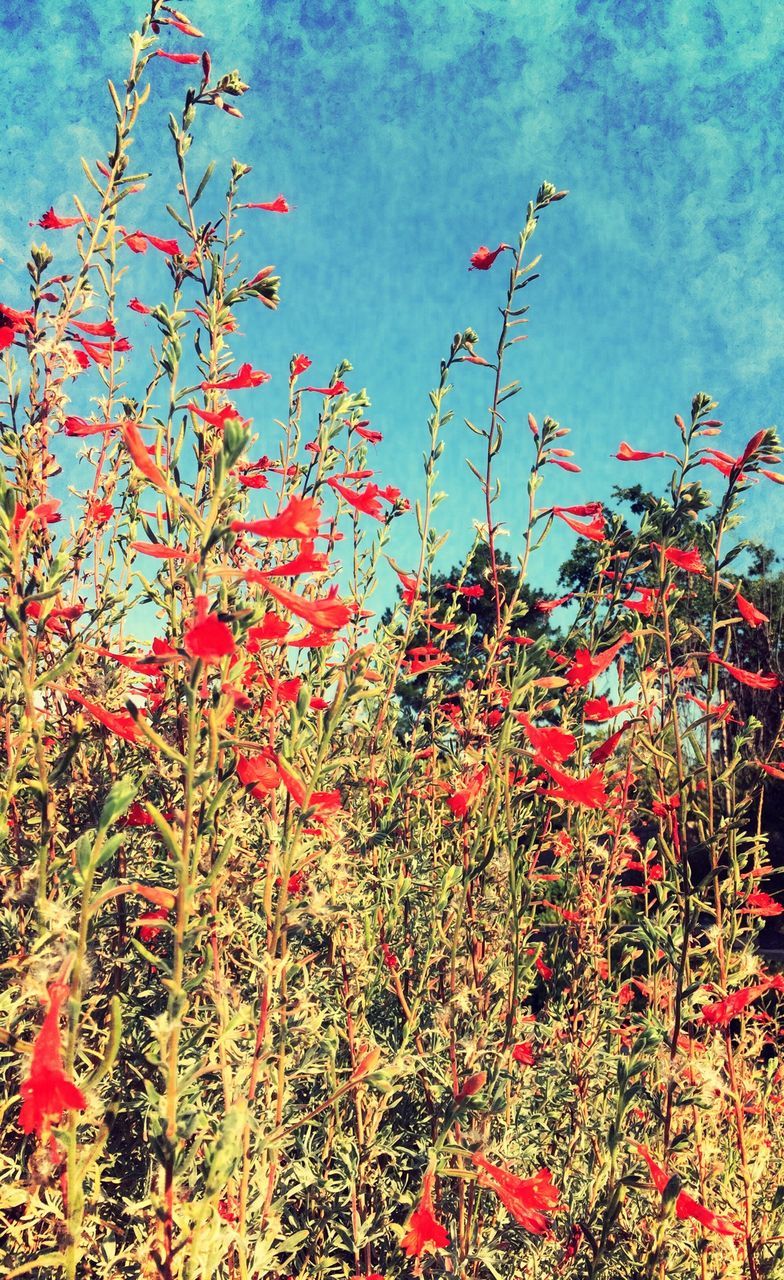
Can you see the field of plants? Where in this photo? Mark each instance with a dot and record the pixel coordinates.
(347, 945)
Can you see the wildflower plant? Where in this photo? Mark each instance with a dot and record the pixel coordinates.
(294, 982)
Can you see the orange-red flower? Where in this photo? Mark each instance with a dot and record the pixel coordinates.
(484, 258)
(140, 456)
(424, 1232)
(184, 59)
(338, 388)
(685, 1206)
(298, 520)
(588, 791)
(585, 668)
(529, 1200)
(627, 454)
(245, 378)
(754, 679)
(749, 612)
(278, 205)
(690, 561)
(328, 613)
(120, 723)
(52, 221)
(47, 1093)
(207, 637)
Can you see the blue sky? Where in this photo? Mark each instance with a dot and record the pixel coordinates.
(406, 133)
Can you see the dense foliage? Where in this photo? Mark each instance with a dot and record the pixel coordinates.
(338, 947)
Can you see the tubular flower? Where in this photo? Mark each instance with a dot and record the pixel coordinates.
(588, 791)
(754, 679)
(484, 258)
(627, 454)
(299, 521)
(120, 723)
(585, 668)
(208, 638)
(749, 612)
(47, 1093)
(140, 457)
(278, 205)
(529, 1200)
(722, 1012)
(551, 743)
(424, 1230)
(51, 221)
(245, 378)
(137, 242)
(328, 613)
(338, 388)
(685, 1206)
(690, 561)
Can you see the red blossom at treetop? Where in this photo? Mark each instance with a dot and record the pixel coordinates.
(483, 258)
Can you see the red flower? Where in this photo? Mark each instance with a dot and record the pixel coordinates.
(260, 773)
(627, 454)
(588, 791)
(305, 561)
(550, 743)
(685, 1206)
(754, 679)
(328, 613)
(148, 926)
(13, 322)
(160, 551)
(80, 427)
(593, 530)
(529, 1200)
(599, 709)
(136, 305)
(179, 25)
(762, 904)
(365, 501)
(337, 389)
(299, 364)
(524, 1054)
(208, 638)
(749, 612)
(245, 378)
(52, 221)
(218, 419)
(322, 803)
(372, 437)
(690, 560)
(585, 668)
(484, 258)
(722, 1012)
(424, 1229)
(606, 748)
(299, 521)
(47, 1093)
(120, 723)
(140, 457)
(279, 205)
(184, 59)
(106, 329)
(137, 242)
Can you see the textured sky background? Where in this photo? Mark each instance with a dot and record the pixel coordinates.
(406, 133)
